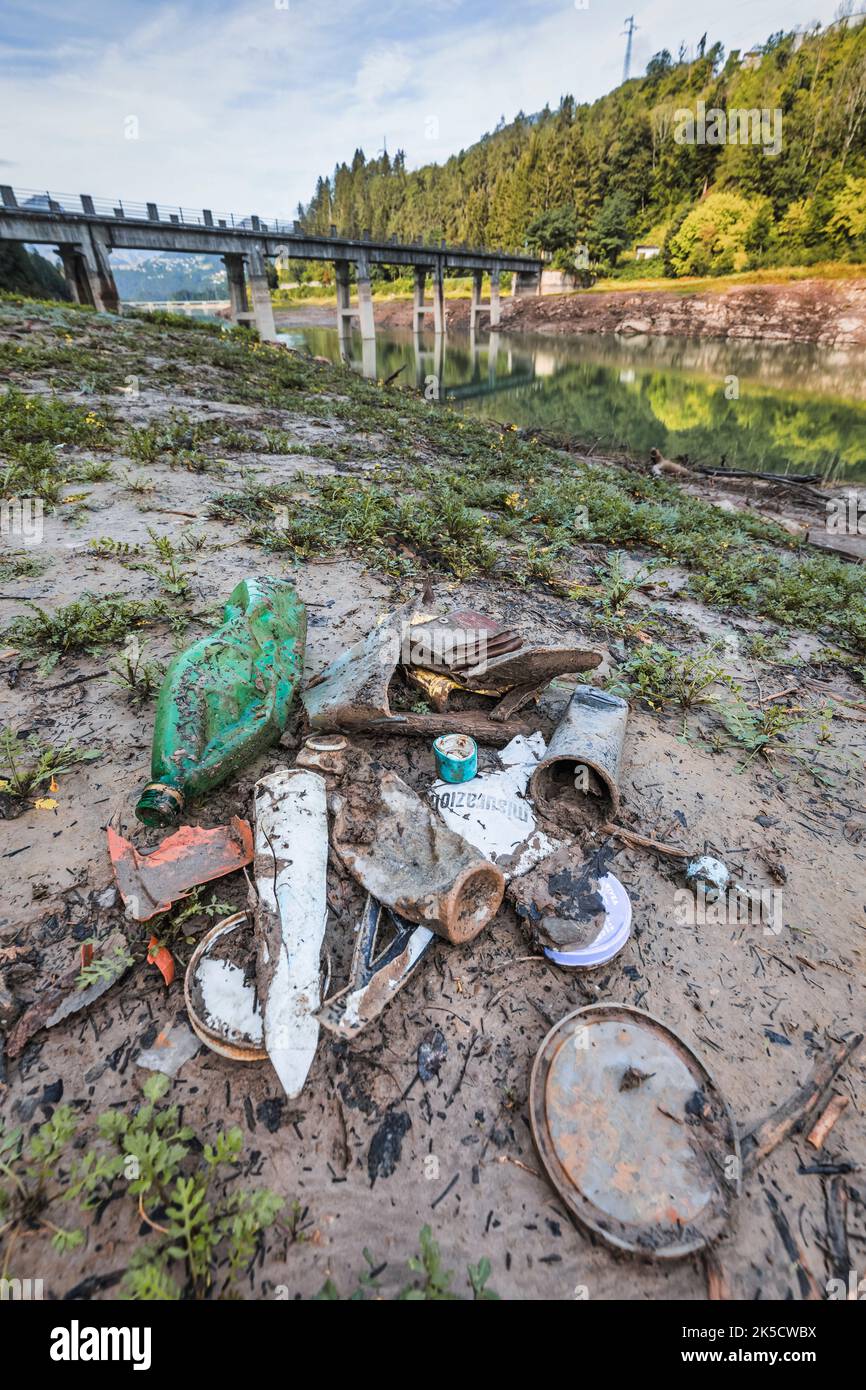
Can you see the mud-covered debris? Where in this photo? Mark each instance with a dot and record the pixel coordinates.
(578, 777)
(386, 1146)
(150, 883)
(291, 913)
(402, 852)
(226, 698)
(432, 1051)
(377, 973)
(174, 1045)
(442, 653)
(67, 997)
(494, 813)
(709, 876)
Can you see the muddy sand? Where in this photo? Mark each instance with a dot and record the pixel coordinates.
(370, 1153)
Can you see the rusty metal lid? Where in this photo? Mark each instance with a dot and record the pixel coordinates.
(634, 1132)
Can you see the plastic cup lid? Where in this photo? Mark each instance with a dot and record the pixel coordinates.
(613, 935)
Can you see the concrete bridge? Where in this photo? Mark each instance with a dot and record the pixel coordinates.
(85, 230)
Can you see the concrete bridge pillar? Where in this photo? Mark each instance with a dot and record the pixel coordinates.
(526, 282)
(75, 273)
(260, 294)
(439, 297)
(418, 301)
(476, 307)
(239, 310)
(345, 312)
(495, 306)
(95, 255)
(365, 302)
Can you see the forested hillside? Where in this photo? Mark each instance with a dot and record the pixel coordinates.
(613, 172)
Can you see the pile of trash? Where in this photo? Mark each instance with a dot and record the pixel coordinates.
(621, 1108)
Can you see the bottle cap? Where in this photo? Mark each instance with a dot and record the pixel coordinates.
(159, 804)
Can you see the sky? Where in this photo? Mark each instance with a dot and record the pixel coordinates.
(238, 105)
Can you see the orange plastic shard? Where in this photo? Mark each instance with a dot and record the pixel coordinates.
(150, 883)
(161, 957)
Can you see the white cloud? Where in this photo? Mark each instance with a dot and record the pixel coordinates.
(241, 106)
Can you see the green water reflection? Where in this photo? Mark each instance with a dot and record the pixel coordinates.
(763, 406)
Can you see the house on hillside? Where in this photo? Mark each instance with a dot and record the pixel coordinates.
(646, 253)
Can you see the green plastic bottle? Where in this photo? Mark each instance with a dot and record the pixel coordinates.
(226, 698)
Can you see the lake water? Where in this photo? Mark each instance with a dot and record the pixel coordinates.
(776, 407)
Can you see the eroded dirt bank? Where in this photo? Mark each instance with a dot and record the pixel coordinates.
(831, 313)
(173, 434)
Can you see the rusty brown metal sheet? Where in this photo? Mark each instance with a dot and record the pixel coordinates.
(634, 1132)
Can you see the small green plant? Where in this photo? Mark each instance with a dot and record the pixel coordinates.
(103, 968)
(176, 922)
(20, 564)
(107, 548)
(166, 568)
(30, 1186)
(139, 486)
(660, 676)
(760, 731)
(85, 625)
(139, 678)
(30, 765)
(204, 1222)
(432, 1282)
(617, 585)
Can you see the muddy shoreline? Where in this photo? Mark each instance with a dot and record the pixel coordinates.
(829, 313)
(370, 1152)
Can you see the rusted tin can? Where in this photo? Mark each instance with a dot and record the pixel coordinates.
(587, 744)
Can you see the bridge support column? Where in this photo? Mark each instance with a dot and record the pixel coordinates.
(439, 298)
(418, 301)
(239, 309)
(476, 307)
(345, 312)
(526, 282)
(365, 303)
(97, 268)
(260, 293)
(75, 273)
(495, 305)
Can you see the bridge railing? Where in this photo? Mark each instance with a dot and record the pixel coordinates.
(37, 200)
(122, 209)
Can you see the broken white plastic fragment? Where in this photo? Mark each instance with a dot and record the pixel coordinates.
(291, 859)
(493, 812)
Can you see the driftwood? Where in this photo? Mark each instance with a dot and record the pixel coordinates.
(817, 1135)
(836, 1209)
(805, 1278)
(792, 1116)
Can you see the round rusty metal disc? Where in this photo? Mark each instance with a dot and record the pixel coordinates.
(634, 1132)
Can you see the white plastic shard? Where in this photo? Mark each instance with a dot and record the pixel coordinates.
(291, 860)
(492, 810)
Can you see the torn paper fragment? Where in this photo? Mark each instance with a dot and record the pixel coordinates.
(493, 812)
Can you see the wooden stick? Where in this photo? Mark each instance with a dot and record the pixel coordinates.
(643, 842)
(817, 1135)
(793, 1114)
(718, 1289)
(805, 1278)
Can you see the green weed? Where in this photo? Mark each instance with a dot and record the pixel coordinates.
(29, 765)
(85, 625)
(660, 676)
